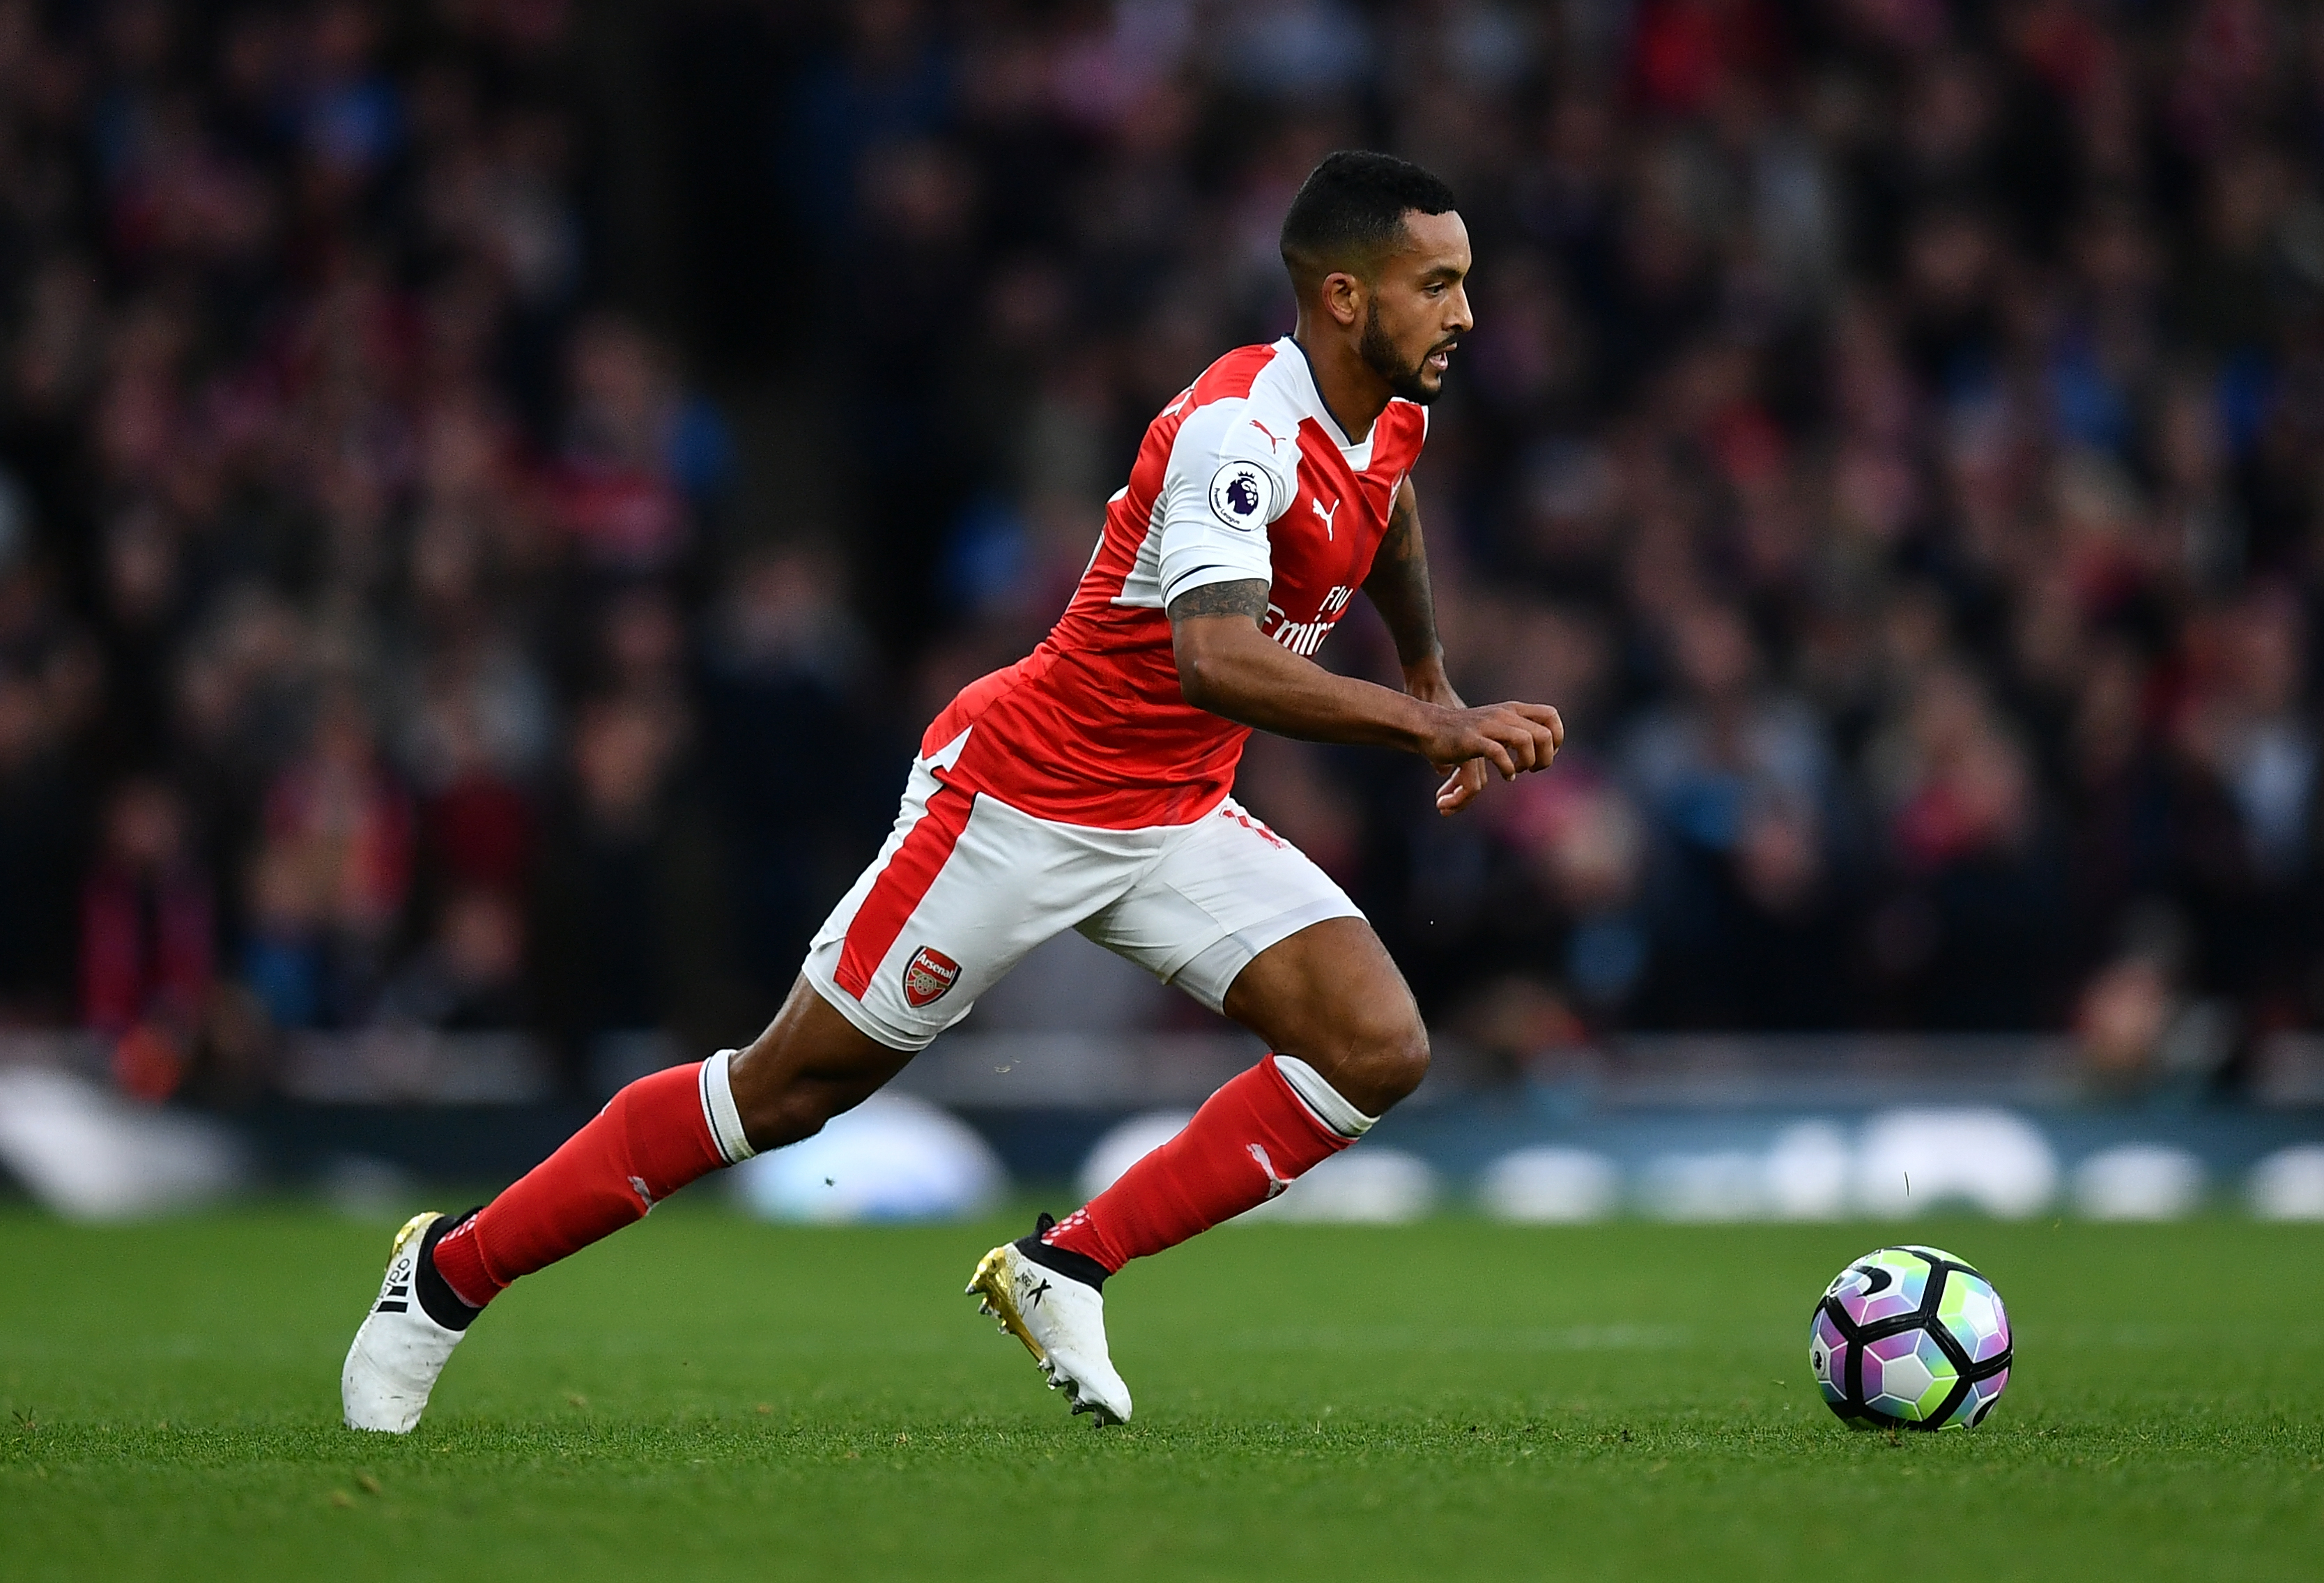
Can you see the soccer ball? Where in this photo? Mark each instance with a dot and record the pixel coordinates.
(1910, 1337)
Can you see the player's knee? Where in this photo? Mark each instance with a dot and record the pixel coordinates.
(1404, 1059)
(1383, 1059)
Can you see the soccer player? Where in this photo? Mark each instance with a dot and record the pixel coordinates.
(1088, 787)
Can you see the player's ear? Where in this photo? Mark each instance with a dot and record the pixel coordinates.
(1343, 299)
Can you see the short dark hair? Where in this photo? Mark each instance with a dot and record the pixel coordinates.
(1351, 211)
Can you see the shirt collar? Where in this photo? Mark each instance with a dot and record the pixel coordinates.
(1317, 405)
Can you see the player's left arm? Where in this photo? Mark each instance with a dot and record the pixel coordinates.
(1399, 589)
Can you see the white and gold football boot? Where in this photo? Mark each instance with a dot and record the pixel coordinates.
(399, 1349)
(1059, 1315)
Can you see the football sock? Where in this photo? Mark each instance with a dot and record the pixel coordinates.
(1250, 1141)
(651, 1139)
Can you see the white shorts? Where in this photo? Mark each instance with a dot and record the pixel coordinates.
(967, 884)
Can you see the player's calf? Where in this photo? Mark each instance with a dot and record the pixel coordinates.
(652, 1138)
(1258, 1133)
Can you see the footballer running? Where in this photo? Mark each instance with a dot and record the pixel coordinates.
(1089, 787)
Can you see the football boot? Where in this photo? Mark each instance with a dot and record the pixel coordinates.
(399, 1349)
(1059, 1317)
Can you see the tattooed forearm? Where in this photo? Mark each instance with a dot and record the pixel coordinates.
(1398, 583)
(1241, 598)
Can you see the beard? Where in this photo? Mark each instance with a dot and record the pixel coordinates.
(1402, 378)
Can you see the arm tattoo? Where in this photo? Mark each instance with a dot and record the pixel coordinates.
(1398, 585)
(1248, 597)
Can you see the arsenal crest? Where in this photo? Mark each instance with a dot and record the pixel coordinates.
(929, 975)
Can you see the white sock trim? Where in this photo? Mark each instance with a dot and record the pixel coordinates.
(719, 1109)
(1322, 1101)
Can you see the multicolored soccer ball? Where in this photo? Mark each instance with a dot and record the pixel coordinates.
(1910, 1337)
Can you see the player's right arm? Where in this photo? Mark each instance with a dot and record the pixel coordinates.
(1227, 665)
(1229, 478)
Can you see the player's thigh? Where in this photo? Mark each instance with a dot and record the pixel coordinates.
(963, 888)
(1332, 996)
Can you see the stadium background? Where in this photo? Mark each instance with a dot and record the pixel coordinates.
(490, 491)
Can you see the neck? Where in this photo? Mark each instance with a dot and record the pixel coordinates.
(1352, 394)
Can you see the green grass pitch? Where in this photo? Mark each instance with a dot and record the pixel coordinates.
(707, 1398)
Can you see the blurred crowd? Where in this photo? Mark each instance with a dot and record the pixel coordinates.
(1892, 435)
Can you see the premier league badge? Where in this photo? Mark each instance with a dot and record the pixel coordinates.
(1242, 495)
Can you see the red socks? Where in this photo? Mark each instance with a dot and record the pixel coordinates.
(651, 1140)
(1246, 1144)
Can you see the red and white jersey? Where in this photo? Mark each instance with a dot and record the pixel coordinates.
(1245, 477)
